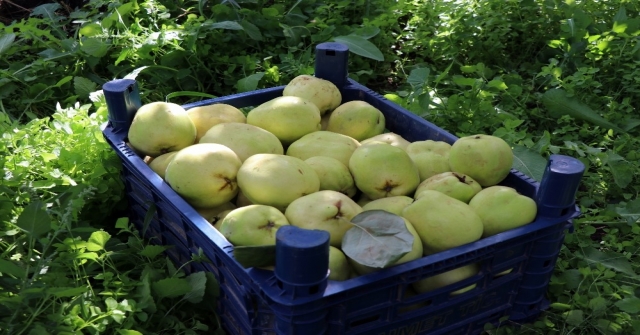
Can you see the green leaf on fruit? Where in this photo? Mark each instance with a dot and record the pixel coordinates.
(377, 239)
(255, 256)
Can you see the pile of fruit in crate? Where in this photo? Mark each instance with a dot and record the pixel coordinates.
(308, 159)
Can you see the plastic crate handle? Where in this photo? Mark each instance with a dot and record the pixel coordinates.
(556, 194)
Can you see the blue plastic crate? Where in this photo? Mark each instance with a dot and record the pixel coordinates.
(256, 301)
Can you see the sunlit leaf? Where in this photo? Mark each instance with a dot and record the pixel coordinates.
(497, 84)
(134, 74)
(90, 29)
(98, 240)
(543, 143)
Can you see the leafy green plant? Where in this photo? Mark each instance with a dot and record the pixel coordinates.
(189, 49)
(64, 267)
(469, 67)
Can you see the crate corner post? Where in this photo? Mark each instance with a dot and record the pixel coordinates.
(123, 100)
(332, 60)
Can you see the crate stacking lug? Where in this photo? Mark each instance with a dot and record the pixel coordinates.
(557, 191)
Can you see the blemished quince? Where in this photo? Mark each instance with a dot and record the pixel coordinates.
(323, 93)
(160, 127)
(326, 210)
(485, 158)
(204, 174)
(382, 170)
(453, 184)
